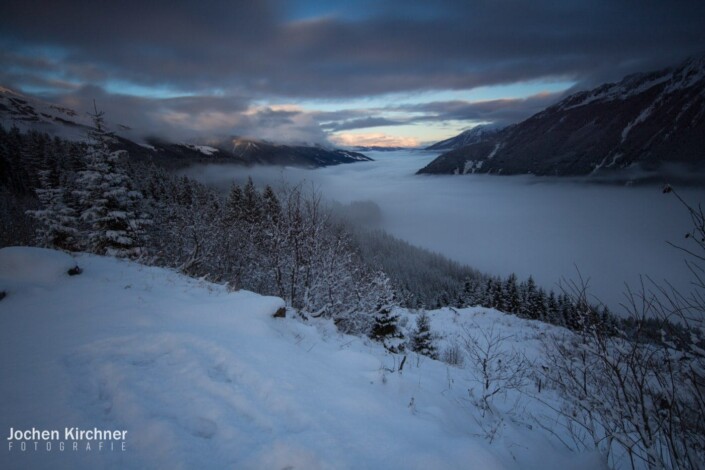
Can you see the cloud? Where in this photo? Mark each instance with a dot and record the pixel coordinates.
(198, 117)
(502, 111)
(243, 52)
(361, 123)
(253, 46)
(536, 226)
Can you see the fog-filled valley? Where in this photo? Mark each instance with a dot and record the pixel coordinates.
(550, 228)
(352, 235)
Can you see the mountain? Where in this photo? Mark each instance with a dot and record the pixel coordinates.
(267, 153)
(649, 121)
(468, 137)
(30, 114)
(27, 113)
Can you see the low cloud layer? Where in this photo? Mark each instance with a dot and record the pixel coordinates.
(502, 224)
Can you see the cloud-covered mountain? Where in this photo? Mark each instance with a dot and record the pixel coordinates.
(267, 153)
(647, 120)
(28, 114)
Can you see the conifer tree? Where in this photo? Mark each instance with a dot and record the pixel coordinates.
(233, 206)
(251, 203)
(110, 206)
(58, 224)
(512, 301)
(270, 205)
(422, 339)
(552, 310)
(385, 328)
(530, 307)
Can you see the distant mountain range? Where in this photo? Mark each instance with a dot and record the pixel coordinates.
(267, 153)
(27, 113)
(648, 121)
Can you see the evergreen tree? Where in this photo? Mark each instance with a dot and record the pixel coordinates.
(251, 203)
(469, 294)
(530, 307)
(233, 206)
(422, 339)
(110, 206)
(512, 301)
(552, 310)
(58, 224)
(270, 205)
(184, 191)
(385, 327)
(540, 304)
(498, 298)
(20, 179)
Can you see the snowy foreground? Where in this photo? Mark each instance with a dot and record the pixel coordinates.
(200, 377)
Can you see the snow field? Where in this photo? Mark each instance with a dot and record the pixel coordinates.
(205, 378)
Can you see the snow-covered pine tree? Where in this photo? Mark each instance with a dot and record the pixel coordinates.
(270, 205)
(110, 206)
(58, 223)
(251, 203)
(422, 339)
(553, 315)
(512, 300)
(385, 328)
(500, 298)
(233, 204)
(532, 301)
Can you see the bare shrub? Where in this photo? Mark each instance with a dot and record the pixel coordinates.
(500, 368)
(453, 355)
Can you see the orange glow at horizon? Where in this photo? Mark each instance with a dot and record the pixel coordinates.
(373, 139)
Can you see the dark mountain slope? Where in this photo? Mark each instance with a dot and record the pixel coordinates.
(647, 120)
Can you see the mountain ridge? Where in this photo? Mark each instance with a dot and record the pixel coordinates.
(648, 121)
(31, 114)
(467, 137)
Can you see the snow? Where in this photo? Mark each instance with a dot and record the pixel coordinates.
(494, 151)
(639, 119)
(673, 80)
(354, 156)
(204, 149)
(203, 377)
(630, 86)
(472, 165)
(22, 266)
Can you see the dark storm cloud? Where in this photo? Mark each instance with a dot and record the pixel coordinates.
(232, 54)
(503, 111)
(196, 117)
(500, 111)
(252, 46)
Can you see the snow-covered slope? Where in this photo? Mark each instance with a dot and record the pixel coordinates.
(200, 377)
(27, 113)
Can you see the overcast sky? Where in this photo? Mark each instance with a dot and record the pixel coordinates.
(360, 71)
